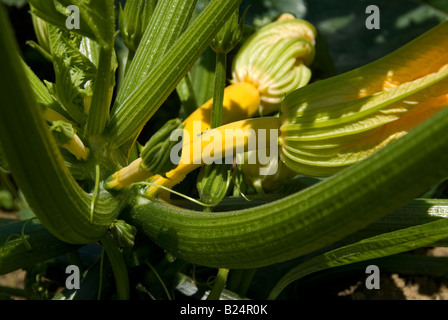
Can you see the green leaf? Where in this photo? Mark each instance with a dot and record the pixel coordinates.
(43, 96)
(75, 73)
(49, 11)
(371, 248)
(94, 17)
(41, 31)
(55, 13)
(62, 131)
(25, 243)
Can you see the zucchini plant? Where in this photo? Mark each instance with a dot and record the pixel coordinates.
(354, 159)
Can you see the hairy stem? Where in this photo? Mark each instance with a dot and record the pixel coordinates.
(220, 83)
(118, 267)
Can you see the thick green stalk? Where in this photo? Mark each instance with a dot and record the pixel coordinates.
(220, 84)
(220, 283)
(100, 282)
(35, 161)
(43, 96)
(308, 220)
(167, 23)
(216, 121)
(129, 119)
(101, 98)
(246, 281)
(99, 109)
(118, 267)
(380, 246)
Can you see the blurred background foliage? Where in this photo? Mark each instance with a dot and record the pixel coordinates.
(342, 24)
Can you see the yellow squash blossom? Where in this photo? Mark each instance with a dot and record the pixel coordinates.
(272, 63)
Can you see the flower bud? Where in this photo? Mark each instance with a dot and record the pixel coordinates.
(213, 182)
(62, 131)
(134, 19)
(229, 35)
(265, 183)
(65, 136)
(155, 158)
(123, 234)
(275, 60)
(156, 153)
